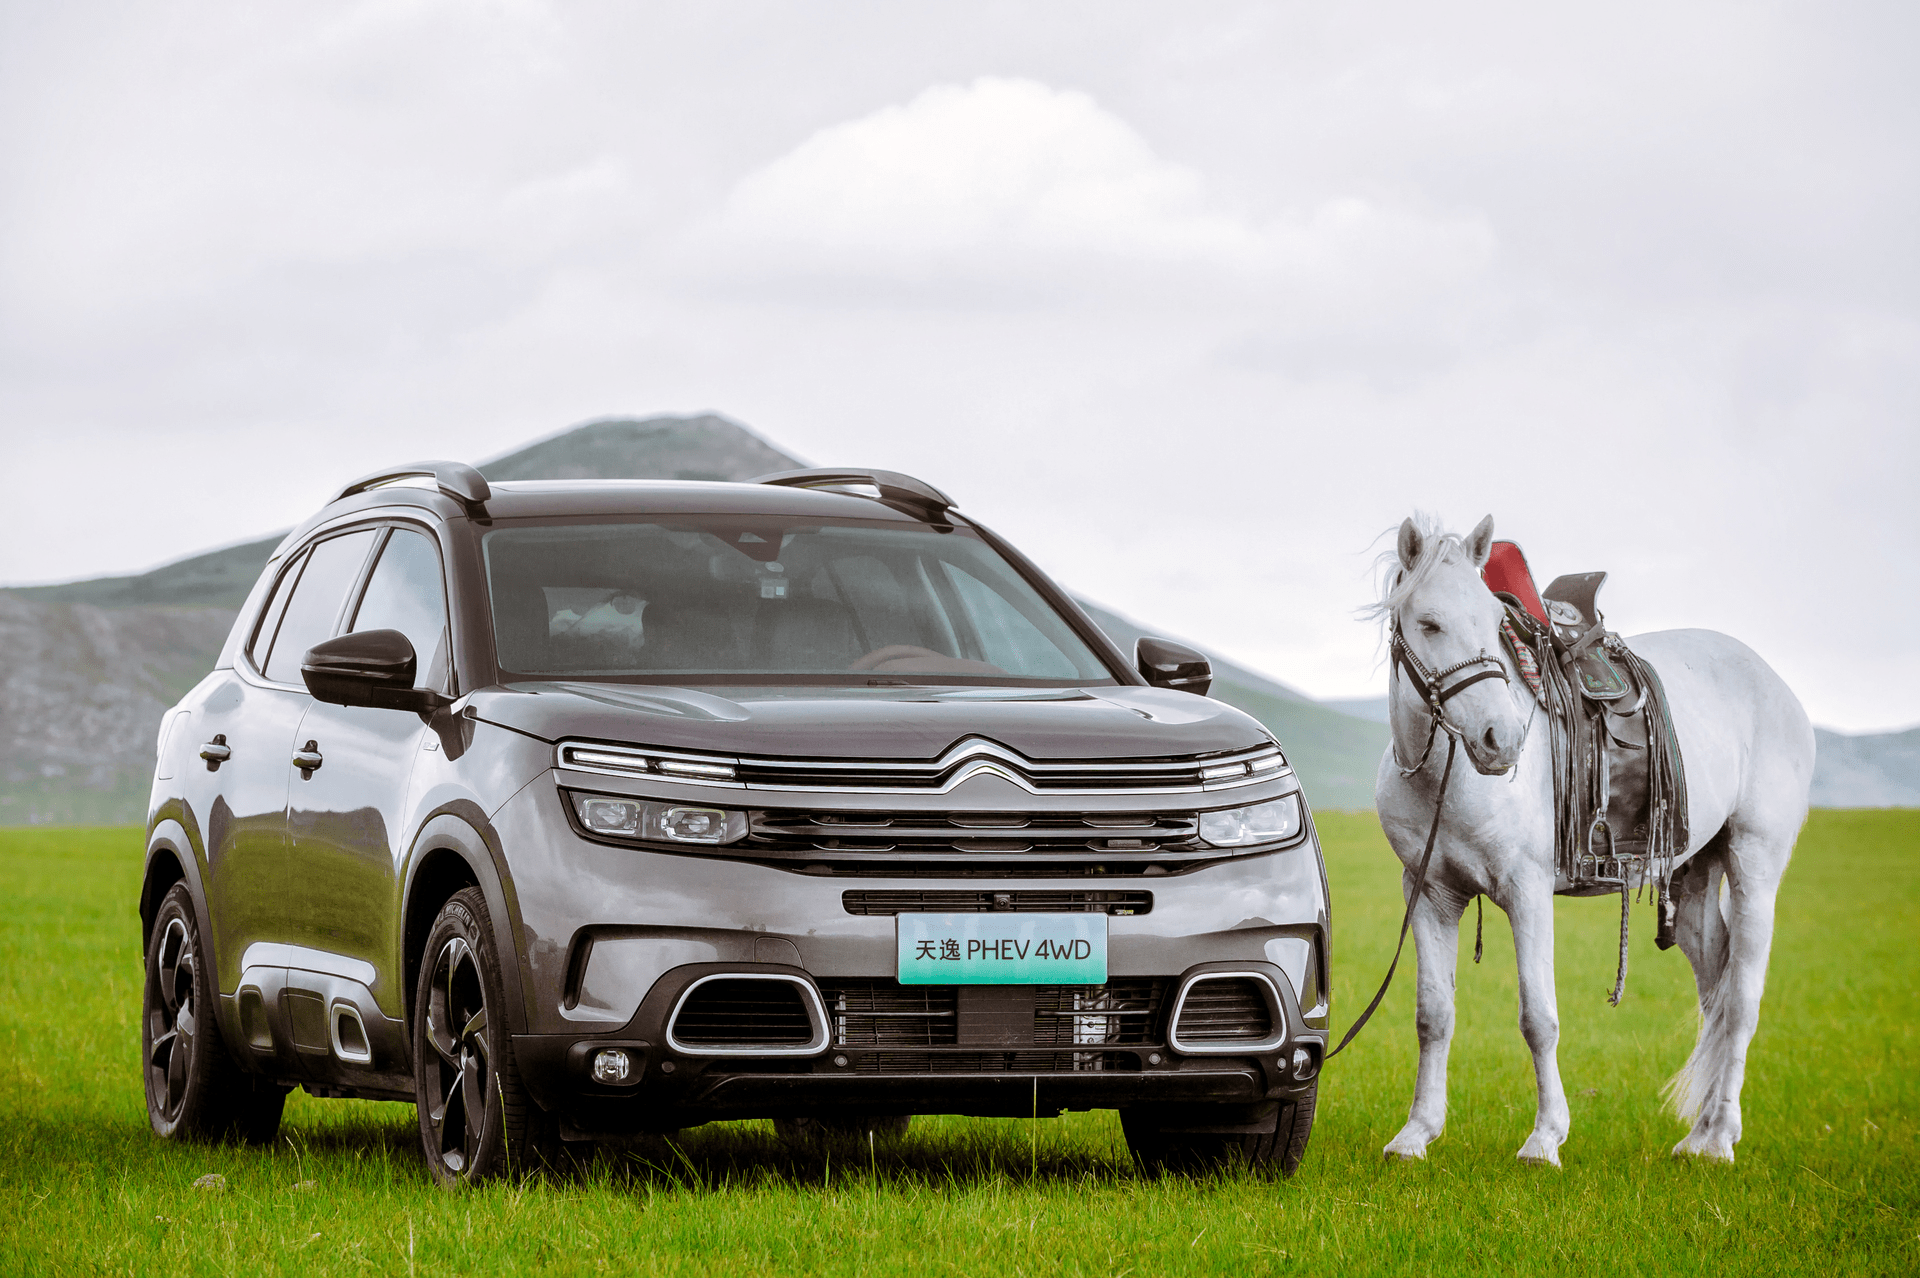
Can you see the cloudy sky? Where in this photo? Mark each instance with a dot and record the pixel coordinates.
(1192, 301)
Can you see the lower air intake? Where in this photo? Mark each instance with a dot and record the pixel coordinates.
(1226, 1013)
(748, 1015)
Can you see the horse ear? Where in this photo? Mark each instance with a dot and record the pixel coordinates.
(1480, 542)
(1409, 545)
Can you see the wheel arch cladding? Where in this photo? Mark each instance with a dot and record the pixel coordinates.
(450, 853)
(170, 860)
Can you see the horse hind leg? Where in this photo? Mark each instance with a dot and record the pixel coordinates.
(1727, 936)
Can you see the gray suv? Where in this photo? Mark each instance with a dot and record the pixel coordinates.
(576, 810)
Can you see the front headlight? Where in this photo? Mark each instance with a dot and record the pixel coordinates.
(1261, 823)
(664, 822)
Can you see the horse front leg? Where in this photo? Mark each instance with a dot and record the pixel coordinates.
(1531, 912)
(1436, 944)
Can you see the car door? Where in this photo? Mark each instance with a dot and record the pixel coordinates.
(248, 728)
(348, 815)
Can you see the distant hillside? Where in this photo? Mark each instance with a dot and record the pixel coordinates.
(705, 447)
(82, 690)
(1880, 770)
(1335, 754)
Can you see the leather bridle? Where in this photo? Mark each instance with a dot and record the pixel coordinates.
(1430, 683)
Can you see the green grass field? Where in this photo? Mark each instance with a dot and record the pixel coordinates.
(1826, 1179)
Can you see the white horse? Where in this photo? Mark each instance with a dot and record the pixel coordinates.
(1748, 751)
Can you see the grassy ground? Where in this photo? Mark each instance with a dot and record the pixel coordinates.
(1826, 1179)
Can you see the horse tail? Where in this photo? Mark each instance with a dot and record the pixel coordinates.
(1703, 934)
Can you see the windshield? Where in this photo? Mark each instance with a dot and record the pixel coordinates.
(739, 599)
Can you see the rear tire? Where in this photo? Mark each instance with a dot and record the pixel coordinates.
(810, 1130)
(477, 1122)
(195, 1091)
(1176, 1138)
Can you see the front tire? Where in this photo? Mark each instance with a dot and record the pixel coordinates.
(476, 1121)
(194, 1089)
(1203, 1138)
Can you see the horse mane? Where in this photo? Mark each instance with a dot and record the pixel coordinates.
(1397, 582)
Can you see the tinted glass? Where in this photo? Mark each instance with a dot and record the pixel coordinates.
(332, 568)
(405, 594)
(270, 617)
(737, 599)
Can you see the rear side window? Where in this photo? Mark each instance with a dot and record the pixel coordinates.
(332, 568)
(405, 594)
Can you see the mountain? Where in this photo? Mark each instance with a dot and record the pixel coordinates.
(81, 694)
(1877, 770)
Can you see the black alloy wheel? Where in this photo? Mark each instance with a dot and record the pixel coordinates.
(194, 1089)
(1203, 1138)
(476, 1122)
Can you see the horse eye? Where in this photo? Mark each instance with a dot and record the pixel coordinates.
(1429, 627)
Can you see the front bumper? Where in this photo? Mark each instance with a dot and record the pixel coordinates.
(993, 1068)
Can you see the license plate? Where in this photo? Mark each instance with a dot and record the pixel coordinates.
(1002, 949)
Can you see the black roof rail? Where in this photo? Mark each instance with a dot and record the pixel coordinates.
(903, 492)
(456, 479)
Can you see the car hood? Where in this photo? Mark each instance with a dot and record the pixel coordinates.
(882, 723)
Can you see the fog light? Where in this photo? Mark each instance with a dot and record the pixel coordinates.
(1302, 1063)
(611, 1065)
(1153, 1058)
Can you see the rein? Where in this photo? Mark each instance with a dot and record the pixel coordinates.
(1429, 683)
(1413, 898)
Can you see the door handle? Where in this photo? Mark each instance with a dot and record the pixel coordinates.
(307, 758)
(216, 752)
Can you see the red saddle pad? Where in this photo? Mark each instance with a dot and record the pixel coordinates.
(1507, 572)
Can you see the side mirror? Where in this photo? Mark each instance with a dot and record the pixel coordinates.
(367, 668)
(1166, 664)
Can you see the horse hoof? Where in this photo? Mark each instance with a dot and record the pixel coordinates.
(1707, 1151)
(1539, 1154)
(1404, 1150)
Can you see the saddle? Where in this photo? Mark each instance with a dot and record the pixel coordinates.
(1620, 794)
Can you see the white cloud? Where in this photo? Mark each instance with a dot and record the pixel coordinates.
(1004, 178)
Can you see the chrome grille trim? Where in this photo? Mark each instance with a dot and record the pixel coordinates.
(964, 760)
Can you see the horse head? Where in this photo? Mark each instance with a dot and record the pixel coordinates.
(1448, 659)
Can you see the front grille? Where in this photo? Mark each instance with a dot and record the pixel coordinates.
(744, 1013)
(885, 1013)
(993, 1062)
(1119, 1013)
(1037, 775)
(1026, 901)
(972, 833)
(996, 869)
(1227, 1010)
(1221, 770)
